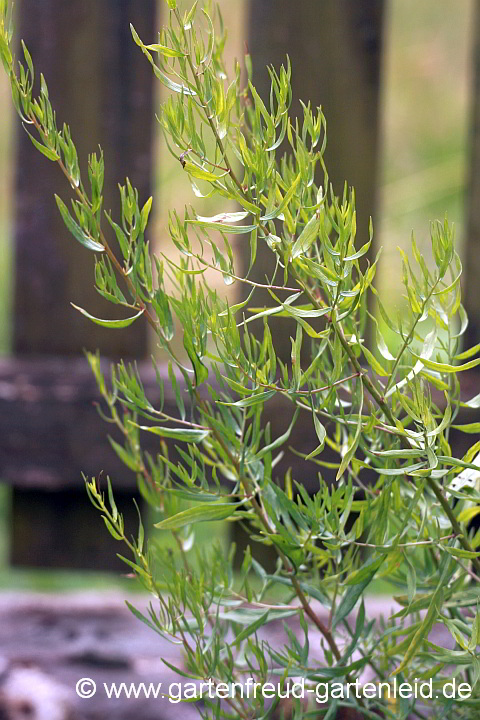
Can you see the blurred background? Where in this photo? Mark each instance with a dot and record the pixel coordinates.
(398, 84)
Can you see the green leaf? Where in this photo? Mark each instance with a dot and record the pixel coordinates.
(127, 459)
(367, 571)
(120, 235)
(187, 23)
(200, 513)
(468, 514)
(353, 593)
(321, 435)
(145, 213)
(223, 227)
(470, 428)
(374, 363)
(200, 173)
(48, 152)
(468, 353)
(306, 237)
(76, 230)
(444, 367)
(109, 323)
(402, 453)
(363, 250)
(246, 616)
(201, 372)
(461, 553)
(251, 401)
(111, 529)
(150, 624)
(458, 463)
(170, 84)
(164, 50)
(224, 217)
(356, 438)
(279, 441)
(472, 403)
(421, 634)
(186, 434)
(288, 196)
(250, 629)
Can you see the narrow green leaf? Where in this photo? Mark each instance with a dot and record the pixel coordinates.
(306, 237)
(223, 227)
(109, 323)
(224, 217)
(48, 152)
(111, 529)
(257, 399)
(470, 428)
(164, 50)
(469, 513)
(120, 235)
(145, 213)
(125, 456)
(356, 438)
(363, 250)
(250, 629)
(352, 595)
(472, 403)
(288, 196)
(246, 616)
(468, 353)
(321, 435)
(279, 441)
(200, 513)
(461, 553)
(186, 434)
(376, 366)
(402, 453)
(200, 173)
(444, 367)
(76, 230)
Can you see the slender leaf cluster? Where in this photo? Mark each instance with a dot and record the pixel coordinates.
(384, 413)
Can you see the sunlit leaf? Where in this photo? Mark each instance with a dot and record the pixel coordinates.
(109, 323)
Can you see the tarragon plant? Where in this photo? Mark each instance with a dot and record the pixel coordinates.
(385, 413)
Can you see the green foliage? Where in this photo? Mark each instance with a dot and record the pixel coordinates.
(383, 412)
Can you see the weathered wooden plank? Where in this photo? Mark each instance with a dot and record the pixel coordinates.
(335, 50)
(472, 244)
(102, 86)
(50, 434)
(50, 431)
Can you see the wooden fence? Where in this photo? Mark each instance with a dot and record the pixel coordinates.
(49, 429)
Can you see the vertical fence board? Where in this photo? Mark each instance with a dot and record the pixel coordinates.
(472, 245)
(101, 85)
(335, 50)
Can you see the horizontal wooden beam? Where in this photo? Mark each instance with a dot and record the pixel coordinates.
(51, 432)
